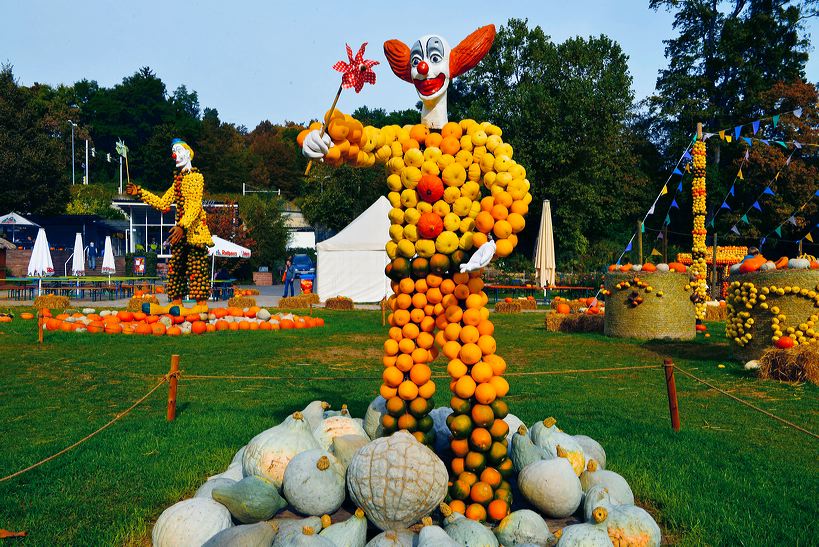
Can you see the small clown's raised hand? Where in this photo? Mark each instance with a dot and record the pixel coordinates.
(480, 258)
(316, 145)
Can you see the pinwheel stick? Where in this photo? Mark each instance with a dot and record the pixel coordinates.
(324, 125)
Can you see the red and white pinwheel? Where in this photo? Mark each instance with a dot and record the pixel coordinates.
(358, 71)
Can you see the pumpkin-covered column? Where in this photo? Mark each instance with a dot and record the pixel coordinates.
(699, 268)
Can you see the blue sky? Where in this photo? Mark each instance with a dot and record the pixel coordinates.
(255, 60)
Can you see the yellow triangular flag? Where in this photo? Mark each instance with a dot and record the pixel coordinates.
(739, 175)
(727, 138)
(687, 167)
(655, 252)
(665, 190)
(809, 237)
(776, 177)
(722, 135)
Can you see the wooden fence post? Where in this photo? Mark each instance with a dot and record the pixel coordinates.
(173, 380)
(671, 386)
(40, 325)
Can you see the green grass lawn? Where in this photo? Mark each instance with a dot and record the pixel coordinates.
(731, 476)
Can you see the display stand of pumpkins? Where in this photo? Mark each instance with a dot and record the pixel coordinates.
(649, 302)
(325, 478)
(772, 305)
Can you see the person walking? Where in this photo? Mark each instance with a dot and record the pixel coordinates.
(289, 277)
(92, 256)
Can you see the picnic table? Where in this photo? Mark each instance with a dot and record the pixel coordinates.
(538, 292)
(97, 287)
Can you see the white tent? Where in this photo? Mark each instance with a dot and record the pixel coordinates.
(225, 249)
(352, 262)
(78, 259)
(40, 264)
(108, 266)
(545, 248)
(13, 219)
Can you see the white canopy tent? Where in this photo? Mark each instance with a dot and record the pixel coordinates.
(78, 258)
(545, 248)
(352, 262)
(40, 264)
(108, 265)
(225, 249)
(14, 220)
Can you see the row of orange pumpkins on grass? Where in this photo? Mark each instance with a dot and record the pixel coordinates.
(218, 319)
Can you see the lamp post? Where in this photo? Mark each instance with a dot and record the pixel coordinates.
(73, 125)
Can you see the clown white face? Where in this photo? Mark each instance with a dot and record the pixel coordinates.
(181, 156)
(429, 59)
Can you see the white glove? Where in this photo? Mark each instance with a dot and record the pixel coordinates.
(315, 145)
(480, 258)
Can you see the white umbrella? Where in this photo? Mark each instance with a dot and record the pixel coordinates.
(13, 219)
(225, 249)
(40, 264)
(78, 261)
(545, 248)
(108, 266)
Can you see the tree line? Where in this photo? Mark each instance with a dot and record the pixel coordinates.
(567, 108)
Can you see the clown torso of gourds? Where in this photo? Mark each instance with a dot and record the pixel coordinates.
(186, 193)
(453, 186)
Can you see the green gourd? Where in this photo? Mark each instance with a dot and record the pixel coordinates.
(467, 532)
(618, 488)
(314, 483)
(269, 452)
(190, 523)
(551, 486)
(592, 450)
(260, 534)
(524, 451)
(628, 525)
(251, 499)
(372, 418)
(583, 535)
(350, 533)
(523, 526)
(394, 538)
(345, 446)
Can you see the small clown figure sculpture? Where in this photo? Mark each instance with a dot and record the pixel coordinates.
(189, 238)
(459, 199)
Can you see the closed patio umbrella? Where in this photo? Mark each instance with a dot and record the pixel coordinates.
(545, 248)
(40, 264)
(78, 260)
(108, 266)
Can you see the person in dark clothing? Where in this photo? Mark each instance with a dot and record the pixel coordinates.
(289, 277)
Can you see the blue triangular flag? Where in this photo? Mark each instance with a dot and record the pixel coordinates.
(667, 219)
(737, 131)
(768, 192)
(756, 206)
(731, 191)
(674, 204)
(744, 218)
(765, 141)
(711, 223)
(677, 171)
(792, 220)
(762, 241)
(781, 143)
(679, 187)
(735, 230)
(817, 193)
(687, 155)
(778, 231)
(725, 206)
(746, 139)
(798, 112)
(775, 120)
(628, 248)
(755, 125)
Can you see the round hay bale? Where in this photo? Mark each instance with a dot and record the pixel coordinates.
(339, 303)
(749, 339)
(665, 313)
(135, 303)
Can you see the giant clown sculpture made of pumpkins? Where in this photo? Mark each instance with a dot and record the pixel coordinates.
(458, 199)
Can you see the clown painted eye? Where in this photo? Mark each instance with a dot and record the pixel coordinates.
(435, 58)
(415, 60)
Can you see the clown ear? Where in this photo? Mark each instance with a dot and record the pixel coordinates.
(398, 55)
(471, 50)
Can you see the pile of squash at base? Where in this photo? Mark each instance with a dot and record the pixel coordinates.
(318, 460)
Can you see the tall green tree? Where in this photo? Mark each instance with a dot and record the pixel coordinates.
(34, 166)
(566, 109)
(726, 54)
(266, 227)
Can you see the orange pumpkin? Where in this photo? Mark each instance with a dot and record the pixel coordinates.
(563, 308)
(753, 264)
(612, 267)
(782, 263)
(625, 268)
(26, 315)
(173, 331)
(814, 265)
(143, 328)
(677, 267)
(649, 267)
(198, 327)
(430, 225)
(430, 188)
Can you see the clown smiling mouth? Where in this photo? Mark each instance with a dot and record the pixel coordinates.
(430, 86)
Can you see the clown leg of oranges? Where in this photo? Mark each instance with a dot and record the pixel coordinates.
(449, 312)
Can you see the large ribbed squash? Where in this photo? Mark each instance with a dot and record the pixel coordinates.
(268, 453)
(396, 480)
(190, 523)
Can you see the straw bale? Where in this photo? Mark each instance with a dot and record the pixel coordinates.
(797, 364)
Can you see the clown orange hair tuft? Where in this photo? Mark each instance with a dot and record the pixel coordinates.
(469, 52)
(398, 55)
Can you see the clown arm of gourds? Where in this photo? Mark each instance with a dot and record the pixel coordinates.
(155, 201)
(192, 188)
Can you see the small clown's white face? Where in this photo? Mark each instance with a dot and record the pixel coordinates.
(429, 62)
(181, 156)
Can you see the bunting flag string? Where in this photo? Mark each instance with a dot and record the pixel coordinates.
(754, 125)
(790, 220)
(755, 204)
(739, 176)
